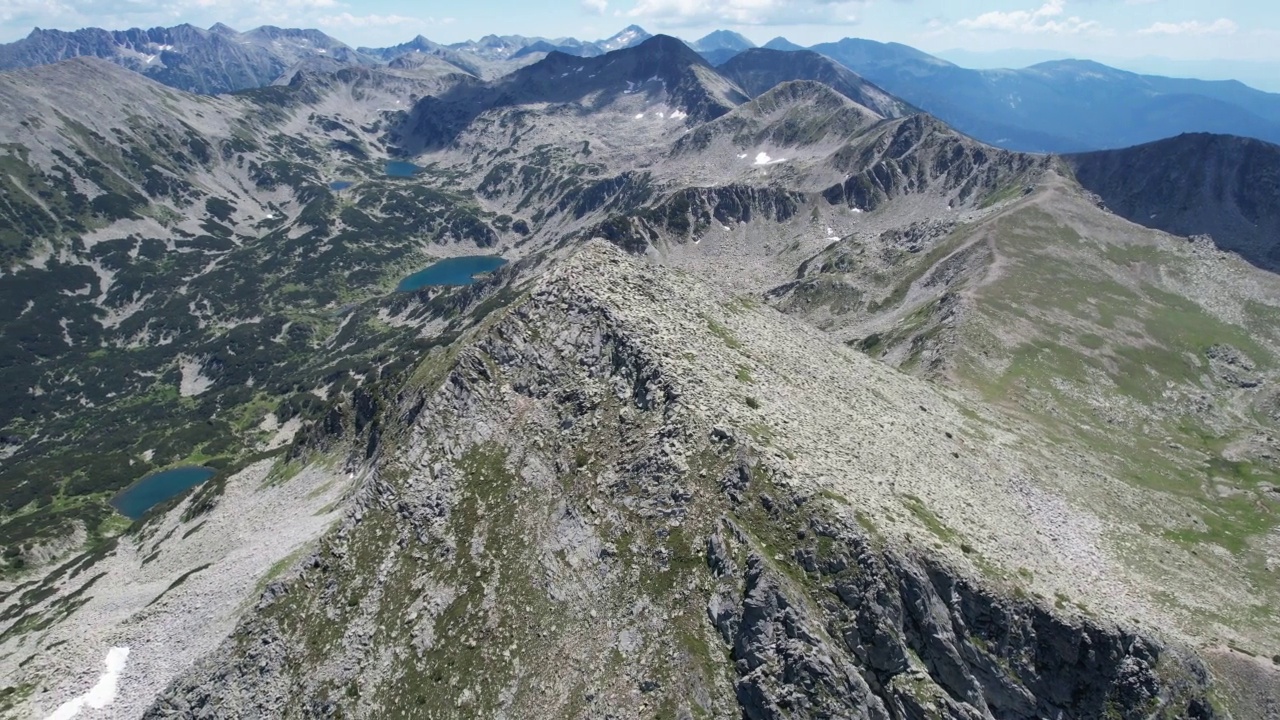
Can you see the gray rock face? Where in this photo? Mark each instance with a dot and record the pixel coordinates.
(185, 57)
(554, 531)
(1229, 365)
(886, 635)
(919, 152)
(758, 70)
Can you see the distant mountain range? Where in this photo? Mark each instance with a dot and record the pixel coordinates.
(186, 57)
(1059, 106)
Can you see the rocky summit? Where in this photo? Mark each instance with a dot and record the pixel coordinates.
(770, 396)
(634, 495)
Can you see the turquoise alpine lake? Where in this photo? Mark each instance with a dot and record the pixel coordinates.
(451, 271)
(155, 488)
(340, 184)
(400, 168)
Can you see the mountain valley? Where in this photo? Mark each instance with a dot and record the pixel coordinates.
(791, 400)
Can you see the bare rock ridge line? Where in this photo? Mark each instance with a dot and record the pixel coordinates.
(579, 517)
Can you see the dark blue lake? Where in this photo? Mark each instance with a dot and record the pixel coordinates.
(400, 168)
(340, 184)
(154, 489)
(451, 271)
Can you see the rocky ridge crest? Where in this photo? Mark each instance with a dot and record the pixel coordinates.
(613, 500)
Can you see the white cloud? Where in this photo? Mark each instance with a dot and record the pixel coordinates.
(1221, 26)
(679, 13)
(1049, 18)
(596, 6)
(346, 19)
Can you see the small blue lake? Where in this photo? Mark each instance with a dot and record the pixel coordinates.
(154, 489)
(340, 184)
(400, 168)
(451, 271)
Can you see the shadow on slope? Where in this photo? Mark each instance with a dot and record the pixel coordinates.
(1195, 184)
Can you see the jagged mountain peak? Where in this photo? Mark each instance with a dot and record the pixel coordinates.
(661, 69)
(666, 44)
(184, 56)
(723, 40)
(781, 43)
(660, 62)
(759, 69)
(416, 60)
(797, 123)
(625, 38)
(817, 94)
(659, 57)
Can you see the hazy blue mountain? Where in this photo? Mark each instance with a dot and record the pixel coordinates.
(722, 40)
(999, 59)
(781, 43)
(1060, 106)
(719, 56)
(1262, 75)
(493, 55)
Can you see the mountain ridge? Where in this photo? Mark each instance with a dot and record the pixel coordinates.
(1026, 109)
(184, 56)
(1194, 184)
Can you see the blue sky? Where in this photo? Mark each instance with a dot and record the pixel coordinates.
(1188, 31)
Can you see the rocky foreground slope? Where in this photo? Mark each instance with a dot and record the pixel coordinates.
(630, 495)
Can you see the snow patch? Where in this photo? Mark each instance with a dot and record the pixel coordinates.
(100, 695)
(679, 115)
(639, 116)
(763, 158)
